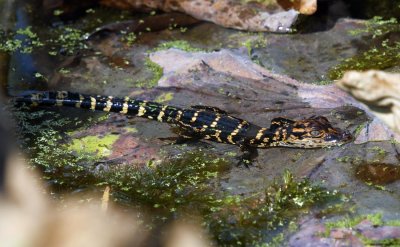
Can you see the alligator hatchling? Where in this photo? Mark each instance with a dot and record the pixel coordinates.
(204, 122)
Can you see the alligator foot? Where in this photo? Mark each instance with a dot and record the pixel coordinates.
(248, 156)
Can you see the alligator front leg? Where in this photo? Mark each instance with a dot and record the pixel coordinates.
(248, 156)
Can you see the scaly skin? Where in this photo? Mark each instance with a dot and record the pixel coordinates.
(203, 122)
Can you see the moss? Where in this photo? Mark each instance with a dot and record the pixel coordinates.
(243, 221)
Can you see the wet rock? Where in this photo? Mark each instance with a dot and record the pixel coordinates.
(176, 65)
(373, 232)
(378, 173)
(232, 14)
(309, 56)
(313, 232)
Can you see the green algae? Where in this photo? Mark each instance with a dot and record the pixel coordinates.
(375, 219)
(254, 42)
(70, 40)
(177, 44)
(181, 187)
(358, 129)
(377, 26)
(383, 55)
(156, 74)
(348, 222)
(129, 38)
(23, 40)
(245, 220)
(131, 130)
(93, 145)
(164, 97)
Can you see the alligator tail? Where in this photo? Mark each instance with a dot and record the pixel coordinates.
(134, 107)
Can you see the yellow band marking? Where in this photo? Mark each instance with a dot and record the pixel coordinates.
(194, 117)
(79, 103)
(260, 133)
(60, 97)
(125, 106)
(235, 132)
(230, 140)
(92, 103)
(215, 122)
(108, 104)
(204, 128)
(161, 114)
(142, 110)
(216, 135)
(179, 116)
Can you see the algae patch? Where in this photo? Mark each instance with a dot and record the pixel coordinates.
(177, 44)
(382, 57)
(23, 40)
(156, 74)
(164, 97)
(375, 220)
(94, 145)
(382, 54)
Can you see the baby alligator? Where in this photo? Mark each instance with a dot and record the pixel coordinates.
(204, 122)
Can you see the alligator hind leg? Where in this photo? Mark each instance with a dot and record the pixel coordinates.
(248, 156)
(209, 108)
(185, 136)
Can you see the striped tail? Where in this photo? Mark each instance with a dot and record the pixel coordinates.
(141, 108)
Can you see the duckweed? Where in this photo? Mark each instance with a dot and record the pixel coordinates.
(23, 40)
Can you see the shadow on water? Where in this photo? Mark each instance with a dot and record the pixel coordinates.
(378, 173)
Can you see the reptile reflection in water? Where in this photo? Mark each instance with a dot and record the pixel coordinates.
(204, 122)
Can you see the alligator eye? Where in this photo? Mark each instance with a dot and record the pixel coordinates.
(315, 133)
